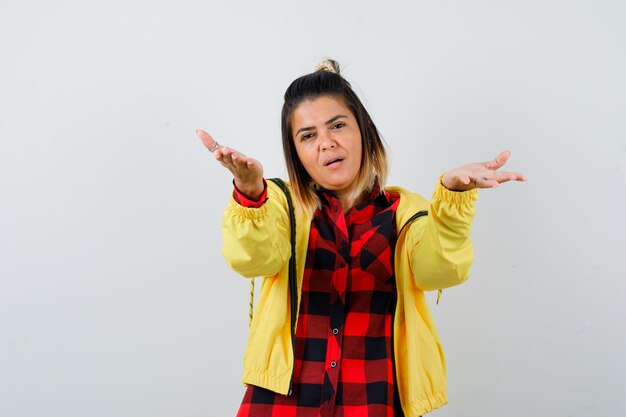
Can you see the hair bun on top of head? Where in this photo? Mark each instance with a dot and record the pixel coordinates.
(329, 65)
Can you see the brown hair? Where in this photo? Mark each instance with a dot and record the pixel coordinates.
(326, 80)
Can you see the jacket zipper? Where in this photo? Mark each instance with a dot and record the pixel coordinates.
(294, 301)
(417, 215)
(293, 280)
(395, 304)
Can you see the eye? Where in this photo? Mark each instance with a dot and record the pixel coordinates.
(306, 136)
(339, 125)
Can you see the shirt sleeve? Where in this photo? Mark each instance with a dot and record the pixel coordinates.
(245, 201)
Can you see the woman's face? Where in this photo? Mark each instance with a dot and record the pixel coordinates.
(328, 142)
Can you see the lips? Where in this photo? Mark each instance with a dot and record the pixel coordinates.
(332, 160)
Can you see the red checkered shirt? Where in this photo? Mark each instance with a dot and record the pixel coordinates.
(343, 352)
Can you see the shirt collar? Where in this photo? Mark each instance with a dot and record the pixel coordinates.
(328, 197)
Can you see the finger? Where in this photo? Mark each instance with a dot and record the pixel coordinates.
(484, 182)
(253, 163)
(465, 179)
(239, 160)
(509, 176)
(520, 177)
(504, 176)
(499, 161)
(226, 156)
(234, 161)
(206, 139)
(232, 166)
(228, 151)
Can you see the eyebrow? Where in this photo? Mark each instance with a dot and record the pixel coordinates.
(329, 121)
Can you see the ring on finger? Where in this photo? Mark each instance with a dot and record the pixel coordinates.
(214, 148)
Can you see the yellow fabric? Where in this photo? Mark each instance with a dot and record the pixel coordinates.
(434, 252)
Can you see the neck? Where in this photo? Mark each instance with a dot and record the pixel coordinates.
(348, 201)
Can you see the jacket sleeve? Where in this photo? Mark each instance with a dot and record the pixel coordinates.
(442, 252)
(256, 240)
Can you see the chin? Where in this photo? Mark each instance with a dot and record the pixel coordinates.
(338, 183)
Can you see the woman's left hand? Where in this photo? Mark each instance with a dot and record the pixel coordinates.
(480, 175)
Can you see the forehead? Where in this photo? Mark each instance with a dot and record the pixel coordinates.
(317, 111)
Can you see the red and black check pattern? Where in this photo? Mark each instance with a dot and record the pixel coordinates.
(344, 358)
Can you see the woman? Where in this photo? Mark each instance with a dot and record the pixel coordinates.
(352, 334)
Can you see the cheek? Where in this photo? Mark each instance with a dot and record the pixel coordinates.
(306, 159)
(358, 150)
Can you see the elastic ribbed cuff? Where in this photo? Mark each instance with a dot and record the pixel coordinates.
(243, 213)
(455, 197)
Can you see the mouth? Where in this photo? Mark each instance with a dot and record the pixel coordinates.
(333, 162)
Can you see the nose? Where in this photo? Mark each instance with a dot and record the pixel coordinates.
(327, 141)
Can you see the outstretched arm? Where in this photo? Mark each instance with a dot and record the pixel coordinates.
(443, 253)
(256, 240)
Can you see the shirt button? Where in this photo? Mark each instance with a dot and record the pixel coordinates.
(333, 364)
(335, 330)
(343, 243)
(342, 264)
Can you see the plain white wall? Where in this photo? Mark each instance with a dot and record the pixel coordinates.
(114, 297)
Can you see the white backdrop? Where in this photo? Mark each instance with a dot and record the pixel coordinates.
(114, 298)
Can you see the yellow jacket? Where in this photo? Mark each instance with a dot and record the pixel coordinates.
(432, 253)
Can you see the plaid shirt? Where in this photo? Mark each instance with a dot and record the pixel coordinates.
(343, 357)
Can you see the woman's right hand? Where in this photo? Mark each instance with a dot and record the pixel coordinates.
(248, 172)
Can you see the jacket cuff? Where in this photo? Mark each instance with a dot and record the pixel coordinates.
(244, 201)
(454, 197)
